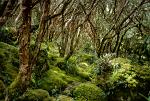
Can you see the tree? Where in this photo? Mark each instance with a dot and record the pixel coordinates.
(109, 21)
(22, 80)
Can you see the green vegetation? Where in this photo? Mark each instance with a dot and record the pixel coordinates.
(88, 92)
(35, 95)
(9, 62)
(74, 50)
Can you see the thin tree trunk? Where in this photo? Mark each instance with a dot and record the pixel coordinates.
(117, 42)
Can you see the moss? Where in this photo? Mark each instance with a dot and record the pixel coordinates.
(14, 90)
(84, 70)
(60, 62)
(121, 61)
(88, 92)
(9, 62)
(55, 80)
(35, 95)
(64, 98)
(2, 88)
(86, 58)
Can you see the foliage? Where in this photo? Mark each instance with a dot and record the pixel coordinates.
(63, 44)
(147, 98)
(124, 74)
(7, 35)
(88, 92)
(128, 79)
(103, 65)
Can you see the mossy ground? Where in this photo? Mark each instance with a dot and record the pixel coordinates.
(82, 78)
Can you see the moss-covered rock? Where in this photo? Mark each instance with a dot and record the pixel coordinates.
(55, 80)
(36, 95)
(88, 92)
(9, 62)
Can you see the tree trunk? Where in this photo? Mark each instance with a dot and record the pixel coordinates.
(117, 42)
(20, 84)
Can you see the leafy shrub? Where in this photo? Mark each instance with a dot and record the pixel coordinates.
(103, 64)
(101, 70)
(128, 79)
(123, 73)
(88, 92)
(143, 78)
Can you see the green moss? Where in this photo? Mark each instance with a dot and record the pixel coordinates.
(36, 95)
(15, 89)
(86, 58)
(88, 92)
(54, 80)
(2, 88)
(9, 62)
(84, 70)
(64, 98)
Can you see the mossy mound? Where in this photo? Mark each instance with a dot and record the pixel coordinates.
(88, 92)
(84, 57)
(9, 62)
(84, 70)
(36, 95)
(55, 80)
